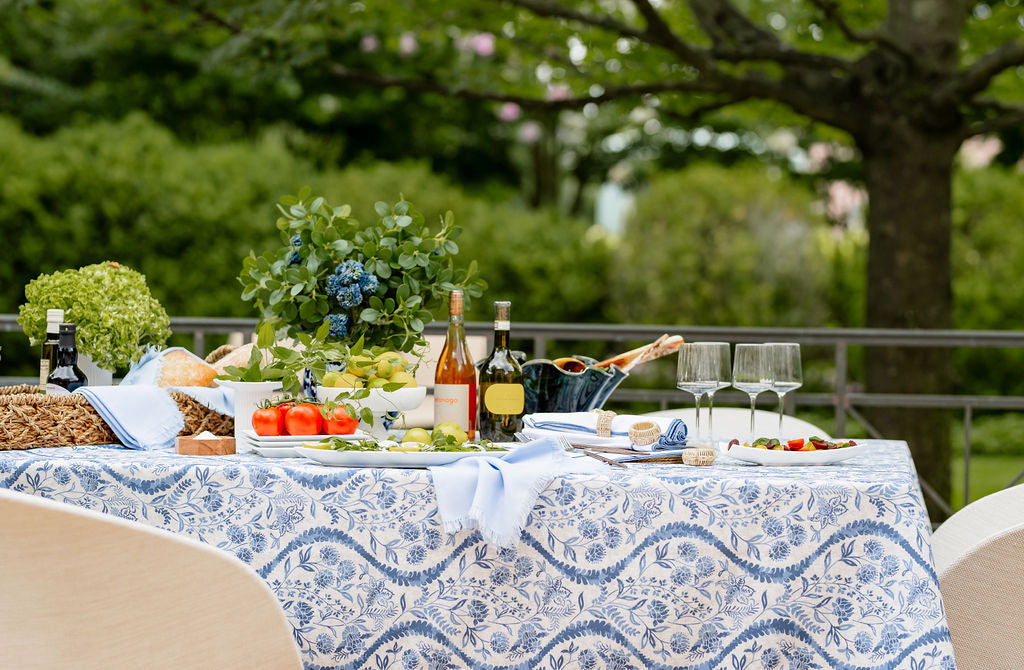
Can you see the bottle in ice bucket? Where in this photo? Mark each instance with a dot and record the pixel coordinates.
(502, 397)
(455, 377)
(66, 377)
(48, 358)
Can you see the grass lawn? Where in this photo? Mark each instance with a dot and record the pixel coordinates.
(989, 473)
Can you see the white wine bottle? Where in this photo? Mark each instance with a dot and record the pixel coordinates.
(502, 396)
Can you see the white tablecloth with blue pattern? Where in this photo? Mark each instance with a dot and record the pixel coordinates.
(733, 567)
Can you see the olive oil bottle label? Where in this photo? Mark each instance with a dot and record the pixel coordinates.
(505, 399)
(44, 372)
(451, 403)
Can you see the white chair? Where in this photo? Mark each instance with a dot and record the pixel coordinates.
(86, 590)
(732, 422)
(973, 524)
(983, 594)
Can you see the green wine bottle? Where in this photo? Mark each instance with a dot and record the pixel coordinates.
(502, 398)
(66, 375)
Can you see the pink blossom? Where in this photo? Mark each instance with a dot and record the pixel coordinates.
(369, 44)
(482, 44)
(529, 132)
(844, 200)
(407, 43)
(818, 154)
(509, 112)
(979, 152)
(558, 92)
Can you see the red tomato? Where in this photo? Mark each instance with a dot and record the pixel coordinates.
(303, 419)
(795, 445)
(284, 407)
(339, 422)
(268, 421)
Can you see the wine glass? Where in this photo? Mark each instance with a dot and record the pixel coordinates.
(694, 373)
(720, 371)
(786, 373)
(752, 373)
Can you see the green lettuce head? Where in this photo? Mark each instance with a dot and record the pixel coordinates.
(117, 317)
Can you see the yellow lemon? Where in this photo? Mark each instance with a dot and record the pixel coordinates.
(347, 380)
(416, 435)
(317, 445)
(359, 365)
(451, 429)
(404, 378)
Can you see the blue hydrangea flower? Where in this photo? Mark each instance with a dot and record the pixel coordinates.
(368, 283)
(339, 325)
(499, 642)
(296, 240)
(324, 643)
(329, 555)
(349, 272)
(293, 257)
(409, 531)
(333, 286)
(588, 529)
(349, 296)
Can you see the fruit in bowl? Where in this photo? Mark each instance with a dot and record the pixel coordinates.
(813, 443)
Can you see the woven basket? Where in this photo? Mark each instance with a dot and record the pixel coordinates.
(30, 419)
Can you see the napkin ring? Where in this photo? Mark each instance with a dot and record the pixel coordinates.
(699, 456)
(604, 422)
(644, 433)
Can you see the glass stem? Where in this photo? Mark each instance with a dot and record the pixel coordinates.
(711, 425)
(781, 406)
(753, 401)
(696, 399)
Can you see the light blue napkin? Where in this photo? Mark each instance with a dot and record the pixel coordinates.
(142, 417)
(580, 428)
(494, 495)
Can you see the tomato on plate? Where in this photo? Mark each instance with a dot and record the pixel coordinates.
(303, 419)
(338, 422)
(795, 445)
(268, 421)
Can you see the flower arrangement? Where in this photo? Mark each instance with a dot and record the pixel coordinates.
(117, 317)
(376, 283)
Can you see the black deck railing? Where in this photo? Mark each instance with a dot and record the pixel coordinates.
(844, 399)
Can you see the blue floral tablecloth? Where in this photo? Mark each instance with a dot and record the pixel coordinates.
(735, 567)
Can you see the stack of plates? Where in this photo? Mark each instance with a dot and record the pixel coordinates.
(282, 446)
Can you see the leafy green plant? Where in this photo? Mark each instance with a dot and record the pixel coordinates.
(377, 283)
(117, 317)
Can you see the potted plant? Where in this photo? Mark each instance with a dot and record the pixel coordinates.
(117, 317)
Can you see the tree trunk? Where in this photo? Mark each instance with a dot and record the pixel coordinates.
(908, 173)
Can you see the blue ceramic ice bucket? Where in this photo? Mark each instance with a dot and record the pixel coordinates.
(549, 388)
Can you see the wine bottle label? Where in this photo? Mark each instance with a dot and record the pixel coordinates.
(451, 403)
(505, 399)
(502, 325)
(44, 372)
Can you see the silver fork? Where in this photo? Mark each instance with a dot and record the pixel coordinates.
(564, 443)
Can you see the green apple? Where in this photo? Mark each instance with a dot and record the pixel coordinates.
(416, 435)
(451, 429)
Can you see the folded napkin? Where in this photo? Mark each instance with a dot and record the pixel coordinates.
(581, 428)
(142, 417)
(496, 495)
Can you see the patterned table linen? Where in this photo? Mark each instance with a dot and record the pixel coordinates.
(735, 567)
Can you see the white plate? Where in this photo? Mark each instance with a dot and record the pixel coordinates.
(292, 440)
(390, 459)
(276, 452)
(776, 457)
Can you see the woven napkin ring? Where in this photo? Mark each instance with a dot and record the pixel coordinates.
(699, 456)
(644, 433)
(604, 422)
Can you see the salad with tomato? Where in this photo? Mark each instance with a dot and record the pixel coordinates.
(813, 443)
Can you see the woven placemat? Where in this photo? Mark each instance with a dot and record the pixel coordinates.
(29, 419)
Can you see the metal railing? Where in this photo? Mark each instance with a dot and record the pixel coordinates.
(843, 399)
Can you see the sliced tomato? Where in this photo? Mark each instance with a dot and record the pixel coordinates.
(268, 421)
(795, 445)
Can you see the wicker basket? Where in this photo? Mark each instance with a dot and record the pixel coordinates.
(30, 419)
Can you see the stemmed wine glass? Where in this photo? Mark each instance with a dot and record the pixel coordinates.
(752, 373)
(720, 371)
(786, 373)
(696, 372)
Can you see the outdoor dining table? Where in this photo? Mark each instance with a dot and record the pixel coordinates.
(653, 566)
